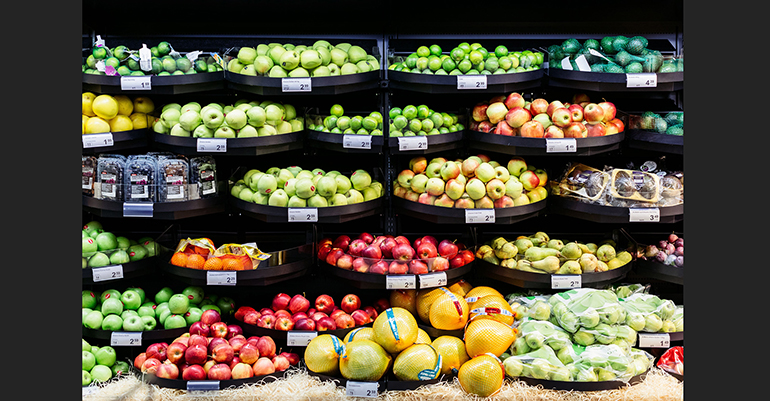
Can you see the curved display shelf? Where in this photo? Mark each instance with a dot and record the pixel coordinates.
(370, 281)
(336, 142)
(386, 383)
(516, 145)
(329, 214)
(436, 143)
(333, 85)
(205, 385)
(525, 279)
(655, 141)
(607, 214)
(582, 386)
(660, 271)
(444, 215)
(130, 269)
(429, 83)
(382, 384)
(159, 85)
(611, 82)
(147, 336)
(281, 266)
(235, 146)
(123, 140)
(280, 336)
(160, 210)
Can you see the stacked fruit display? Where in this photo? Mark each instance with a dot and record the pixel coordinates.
(320, 59)
(164, 61)
(202, 254)
(288, 312)
(671, 123)
(652, 314)
(387, 254)
(242, 119)
(337, 122)
(102, 248)
(512, 115)
(100, 364)
(414, 120)
(467, 59)
(294, 186)
(115, 113)
(669, 251)
(539, 253)
(473, 182)
(614, 54)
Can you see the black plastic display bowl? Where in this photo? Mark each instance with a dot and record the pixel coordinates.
(159, 85)
(444, 215)
(525, 279)
(655, 141)
(607, 214)
(151, 335)
(610, 82)
(130, 269)
(429, 83)
(660, 271)
(333, 85)
(206, 385)
(516, 145)
(335, 142)
(583, 386)
(371, 281)
(160, 210)
(122, 140)
(280, 336)
(235, 146)
(436, 143)
(329, 214)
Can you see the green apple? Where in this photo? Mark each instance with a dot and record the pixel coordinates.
(89, 360)
(343, 183)
(147, 309)
(100, 373)
(131, 299)
(109, 293)
(337, 199)
(148, 323)
(152, 247)
(128, 312)
(162, 315)
(208, 306)
(133, 323)
(106, 355)
(317, 201)
(354, 196)
(174, 321)
(278, 198)
(112, 306)
(99, 259)
(304, 187)
(120, 368)
(93, 228)
(86, 345)
(163, 295)
(193, 315)
(260, 198)
(326, 186)
(370, 193)
(226, 306)
(296, 201)
(179, 304)
(194, 293)
(256, 116)
(360, 179)
(89, 299)
(119, 257)
(267, 184)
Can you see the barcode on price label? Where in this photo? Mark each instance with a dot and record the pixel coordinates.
(431, 280)
(642, 80)
(361, 389)
(356, 141)
(560, 145)
(113, 272)
(126, 338)
(644, 215)
(221, 278)
(654, 340)
(300, 338)
(135, 83)
(296, 85)
(412, 143)
(395, 282)
(98, 140)
(471, 82)
(307, 215)
(566, 281)
(212, 145)
(479, 216)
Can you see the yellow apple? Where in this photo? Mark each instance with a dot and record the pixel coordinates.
(140, 120)
(121, 123)
(125, 105)
(105, 106)
(95, 125)
(143, 104)
(88, 99)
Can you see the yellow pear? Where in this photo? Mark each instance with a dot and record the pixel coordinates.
(125, 105)
(121, 123)
(96, 125)
(139, 120)
(105, 106)
(88, 99)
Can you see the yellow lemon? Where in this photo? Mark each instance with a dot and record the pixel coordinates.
(121, 123)
(140, 120)
(105, 106)
(95, 125)
(88, 99)
(125, 105)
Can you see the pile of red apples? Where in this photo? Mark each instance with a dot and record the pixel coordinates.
(388, 254)
(512, 115)
(214, 350)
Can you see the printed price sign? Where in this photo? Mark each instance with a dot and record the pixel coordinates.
(412, 143)
(405, 281)
(126, 338)
(471, 82)
(560, 145)
(221, 278)
(644, 215)
(479, 216)
(433, 280)
(296, 85)
(642, 80)
(654, 340)
(357, 141)
(566, 281)
(307, 215)
(98, 140)
(361, 389)
(135, 83)
(212, 145)
(113, 272)
(299, 338)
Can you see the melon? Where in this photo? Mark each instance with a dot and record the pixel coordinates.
(322, 354)
(364, 360)
(418, 362)
(482, 375)
(488, 336)
(395, 329)
(453, 354)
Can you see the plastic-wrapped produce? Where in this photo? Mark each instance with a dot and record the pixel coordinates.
(203, 177)
(173, 178)
(634, 185)
(140, 176)
(649, 313)
(532, 306)
(586, 308)
(109, 172)
(88, 164)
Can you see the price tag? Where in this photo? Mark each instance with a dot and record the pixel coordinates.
(299, 338)
(560, 145)
(192, 56)
(212, 145)
(431, 280)
(357, 141)
(565, 64)
(597, 54)
(203, 385)
(644, 215)
(654, 340)
(412, 143)
(138, 209)
(304, 214)
(135, 83)
(221, 278)
(126, 338)
(361, 389)
(98, 140)
(296, 85)
(113, 272)
(401, 281)
(479, 216)
(642, 80)
(582, 63)
(145, 58)
(99, 41)
(566, 281)
(471, 82)
(88, 390)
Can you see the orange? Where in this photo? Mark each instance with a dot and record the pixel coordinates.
(231, 264)
(179, 259)
(195, 261)
(213, 263)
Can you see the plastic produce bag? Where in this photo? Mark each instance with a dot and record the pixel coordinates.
(541, 363)
(609, 362)
(649, 313)
(533, 306)
(586, 308)
(672, 360)
(538, 333)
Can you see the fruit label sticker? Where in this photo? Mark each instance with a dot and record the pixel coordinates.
(202, 385)
(654, 340)
(560, 145)
(566, 281)
(644, 215)
(471, 82)
(211, 145)
(145, 58)
(401, 281)
(106, 273)
(357, 141)
(642, 80)
(135, 83)
(412, 143)
(303, 214)
(138, 209)
(361, 389)
(296, 85)
(125, 338)
(221, 278)
(299, 338)
(431, 280)
(99, 41)
(97, 140)
(479, 216)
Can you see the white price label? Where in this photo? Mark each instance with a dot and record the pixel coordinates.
(582, 63)
(357, 141)
(125, 338)
(644, 215)
(565, 64)
(654, 340)
(304, 214)
(98, 140)
(221, 278)
(99, 41)
(300, 338)
(212, 145)
(412, 143)
(401, 281)
(136, 83)
(479, 216)
(560, 145)
(642, 80)
(113, 272)
(471, 82)
(296, 85)
(566, 281)
(361, 389)
(431, 280)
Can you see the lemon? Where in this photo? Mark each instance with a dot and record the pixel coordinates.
(96, 125)
(125, 105)
(105, 106)
(88, 100)
(482, 376)
(121, 123)
(453, 354)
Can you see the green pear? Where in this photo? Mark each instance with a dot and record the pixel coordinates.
(605, 252)
(536, 253)
(555, 244)
(571, 250)
(522, 244)
(549, 264)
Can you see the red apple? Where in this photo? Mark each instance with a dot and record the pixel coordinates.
(379, 267)
(253, 339)
(479, 112)
(552, 106)
(333, 255)
(210, 316)
(299, 315)
(368, 238)
(360, 265)
(220, 371)
(609, 110)
(283, 323)
(609, 128)
(517, 116)
(596, 129)
(241, 311)
(157, 351)
(439, 264)
(344, 321)
(576, 111)
(593, 113)
(249, 353)
(447, 248)
(561, 117)
(386, 248)
(266, 321)
(196, 354)
(281, 363)
(381, 304)
(345, 262)
(193, 372)
(237, 342)
(263, 366)
(503, 202)
(619, 124)
(318, 315)
(378, 240)
(538, 106)
(236, 360)
(150, 366)
(553, 132)
(306, 324)
(502, 128)
(175, 352)
(576, 130)
(403, 252)
(514, 100)
(418, 266)
(292, 357)
(323, 251)
(532, 129)
(336, 312)
(298, 303)
(282, 313)
(233, 330)
(167, 370)
(281, 301)
(251, 317)
(209, 363)
(139, 360)
(326, 323)
(360, 317)
(241, 371)
(342, 242)
(456, 261)
(468, 255)
(350, 302)
(197, 339)
(214, 341)
(266, 346)
(371, 311)
(398, 267)
(325, 241)
(357, 246)
(426, 250)
(267, 311)
(219, 329)
(223, 353)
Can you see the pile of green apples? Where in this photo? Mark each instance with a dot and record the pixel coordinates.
(337, 122)
(100, 364)
(103, 248)
(165, 61)
(418, 120)
(614, 54)
(242, 119)
(467, 59)
(321, 59)
(294, 186)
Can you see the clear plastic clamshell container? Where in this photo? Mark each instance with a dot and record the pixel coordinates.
(140, 178)
(173, 179)
(203, 177)
(109, 177)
